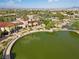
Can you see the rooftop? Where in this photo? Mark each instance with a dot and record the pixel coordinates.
(6, 24)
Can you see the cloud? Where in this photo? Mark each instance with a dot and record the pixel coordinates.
(56, 0)
(53, 0)
(19, 0)
(50, 0)
(11, 3)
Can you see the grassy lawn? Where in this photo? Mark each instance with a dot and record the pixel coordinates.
(44, 45)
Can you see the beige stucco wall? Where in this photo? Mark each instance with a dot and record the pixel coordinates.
(6, 28)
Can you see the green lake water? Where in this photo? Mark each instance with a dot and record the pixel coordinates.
(44, 45)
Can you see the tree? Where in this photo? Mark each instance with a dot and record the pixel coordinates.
(0, 33)
(60, 16)
(76, 12)
(48, 23)
(2, 18)
(24, 17)
(70, 13)
(75, 25)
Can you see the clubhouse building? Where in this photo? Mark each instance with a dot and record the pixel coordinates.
(6, 28)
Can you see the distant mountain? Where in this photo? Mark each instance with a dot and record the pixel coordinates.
(75, 7)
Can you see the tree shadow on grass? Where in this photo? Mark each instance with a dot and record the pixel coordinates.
(0, 55)
(13, 55)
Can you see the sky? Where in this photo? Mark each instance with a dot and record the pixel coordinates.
(38, 3)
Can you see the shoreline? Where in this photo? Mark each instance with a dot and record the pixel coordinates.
(6, 52)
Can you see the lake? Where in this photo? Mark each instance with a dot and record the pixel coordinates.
(45, 45)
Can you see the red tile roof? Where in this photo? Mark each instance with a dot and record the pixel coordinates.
(6, 24)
